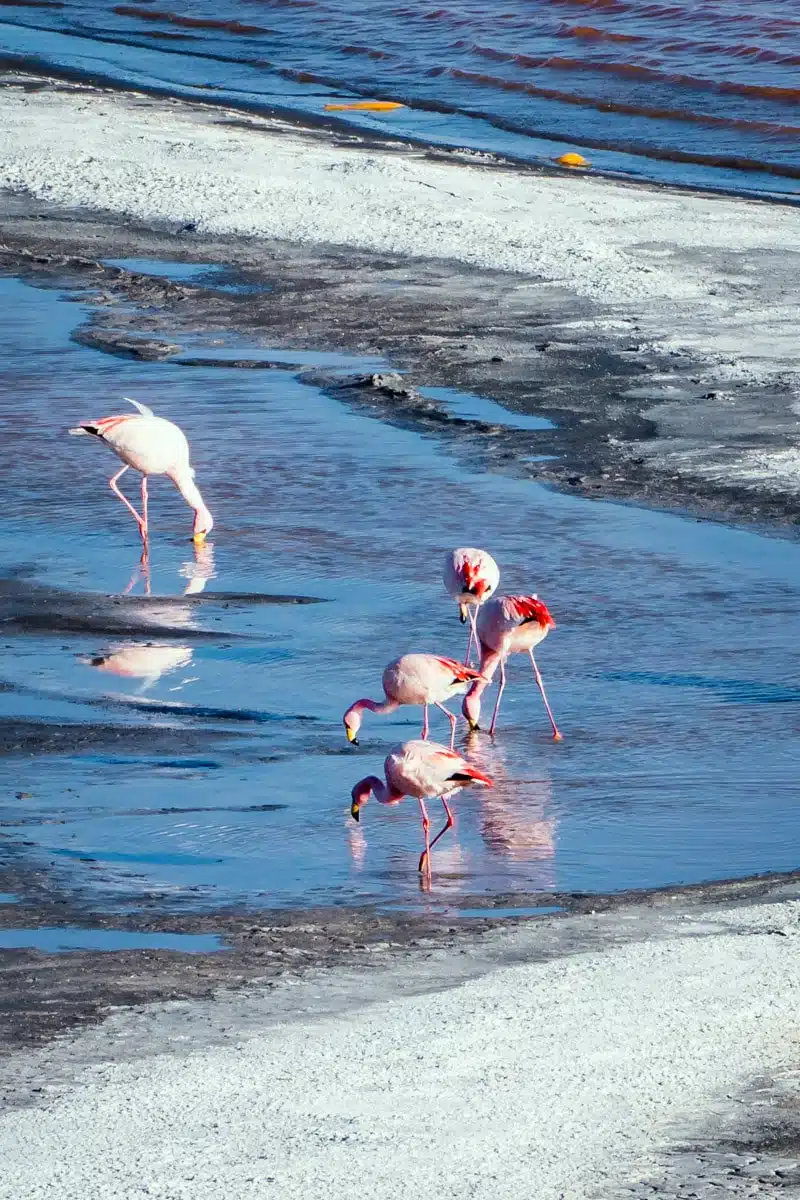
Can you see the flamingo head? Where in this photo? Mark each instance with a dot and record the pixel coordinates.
(352, 724)
(360, 796)
(203, 524)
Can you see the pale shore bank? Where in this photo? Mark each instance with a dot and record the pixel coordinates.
(644, 1051)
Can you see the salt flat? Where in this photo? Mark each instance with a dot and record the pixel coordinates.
(550, 1072)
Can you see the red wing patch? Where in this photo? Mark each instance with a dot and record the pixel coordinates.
(460, 672)
(530, 608)
(106, 424)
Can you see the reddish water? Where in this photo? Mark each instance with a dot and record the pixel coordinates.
(703, 92)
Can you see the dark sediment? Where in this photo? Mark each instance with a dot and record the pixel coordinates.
(530, 349)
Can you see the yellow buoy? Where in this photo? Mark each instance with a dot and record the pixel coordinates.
(368, 105)
(573, 160)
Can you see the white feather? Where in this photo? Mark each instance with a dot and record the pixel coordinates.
(143, 409)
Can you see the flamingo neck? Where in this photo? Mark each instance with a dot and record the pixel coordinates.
(471, 705)
(183, 478)
(373, 706)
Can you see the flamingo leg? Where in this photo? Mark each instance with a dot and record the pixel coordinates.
(112, 483)
(448, 825)
(452, 719)
(473, 634)
(425, 857)
(424, 722)
(144, 508)
(500, 691)
(557, 735)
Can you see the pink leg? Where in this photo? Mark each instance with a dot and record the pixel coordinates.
(144, 507)
(557, 735)
(473, 634)
(425, 857)
(452, 719)
(424, 722)
(112, 483)
(449, 825)
(500, 691)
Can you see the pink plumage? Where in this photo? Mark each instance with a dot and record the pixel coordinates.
(471, 577)
(424, 770)
(508, 625)
(150, 445)
(415, 679)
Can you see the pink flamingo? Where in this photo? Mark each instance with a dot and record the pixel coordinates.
(152, 446)
(415, 679)
(425, 770)
(507, 625)
(471, 576)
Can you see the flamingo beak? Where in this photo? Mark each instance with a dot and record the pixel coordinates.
(355, 810)
(473, 726)
(199, 538)
(352, 738)
(462, 612)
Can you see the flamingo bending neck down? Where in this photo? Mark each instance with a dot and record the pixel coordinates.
(471, 577)
(424, 770)
(415, 679)
(152, 446)
(508, 625)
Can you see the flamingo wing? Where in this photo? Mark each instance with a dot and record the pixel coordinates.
(143, 409)
(461, 674)
(531, 608)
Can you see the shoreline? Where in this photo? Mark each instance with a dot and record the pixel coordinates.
(660, 1074)
(694, 1091)
(668, 370)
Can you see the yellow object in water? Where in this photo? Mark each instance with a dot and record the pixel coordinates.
(573, 160)
(370, 105)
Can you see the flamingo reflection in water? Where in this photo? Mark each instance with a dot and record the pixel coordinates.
(516, 818)
(140, 660)
(197, 570)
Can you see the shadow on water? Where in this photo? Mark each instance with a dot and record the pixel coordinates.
(190, 746)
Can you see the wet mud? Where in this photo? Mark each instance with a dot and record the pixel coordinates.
(627, 422)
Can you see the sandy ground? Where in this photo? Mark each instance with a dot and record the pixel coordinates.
(627, 1053)
(716, 275)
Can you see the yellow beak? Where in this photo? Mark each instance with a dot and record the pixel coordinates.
(351, 737)
(354, 811)
(199, 538)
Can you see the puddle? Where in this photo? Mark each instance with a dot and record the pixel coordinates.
(478, 408)
(208, 275)
(56, 940)
(8, 898)
(195, 752)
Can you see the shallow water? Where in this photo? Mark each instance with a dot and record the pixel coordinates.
(190, 747)
(58, 939)
(702, 92)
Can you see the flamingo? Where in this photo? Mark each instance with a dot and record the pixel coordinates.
(507, 625)
(152, 446)
(471, 576)
(415, 679)
(425, 770)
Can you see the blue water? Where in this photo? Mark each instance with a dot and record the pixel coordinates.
(56, 939)
(213, 767)
(699, 92)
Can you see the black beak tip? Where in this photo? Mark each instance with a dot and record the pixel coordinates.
(355, 814)
(463, 619)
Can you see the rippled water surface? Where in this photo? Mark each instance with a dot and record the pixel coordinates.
(703, 92)
(189, 744)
